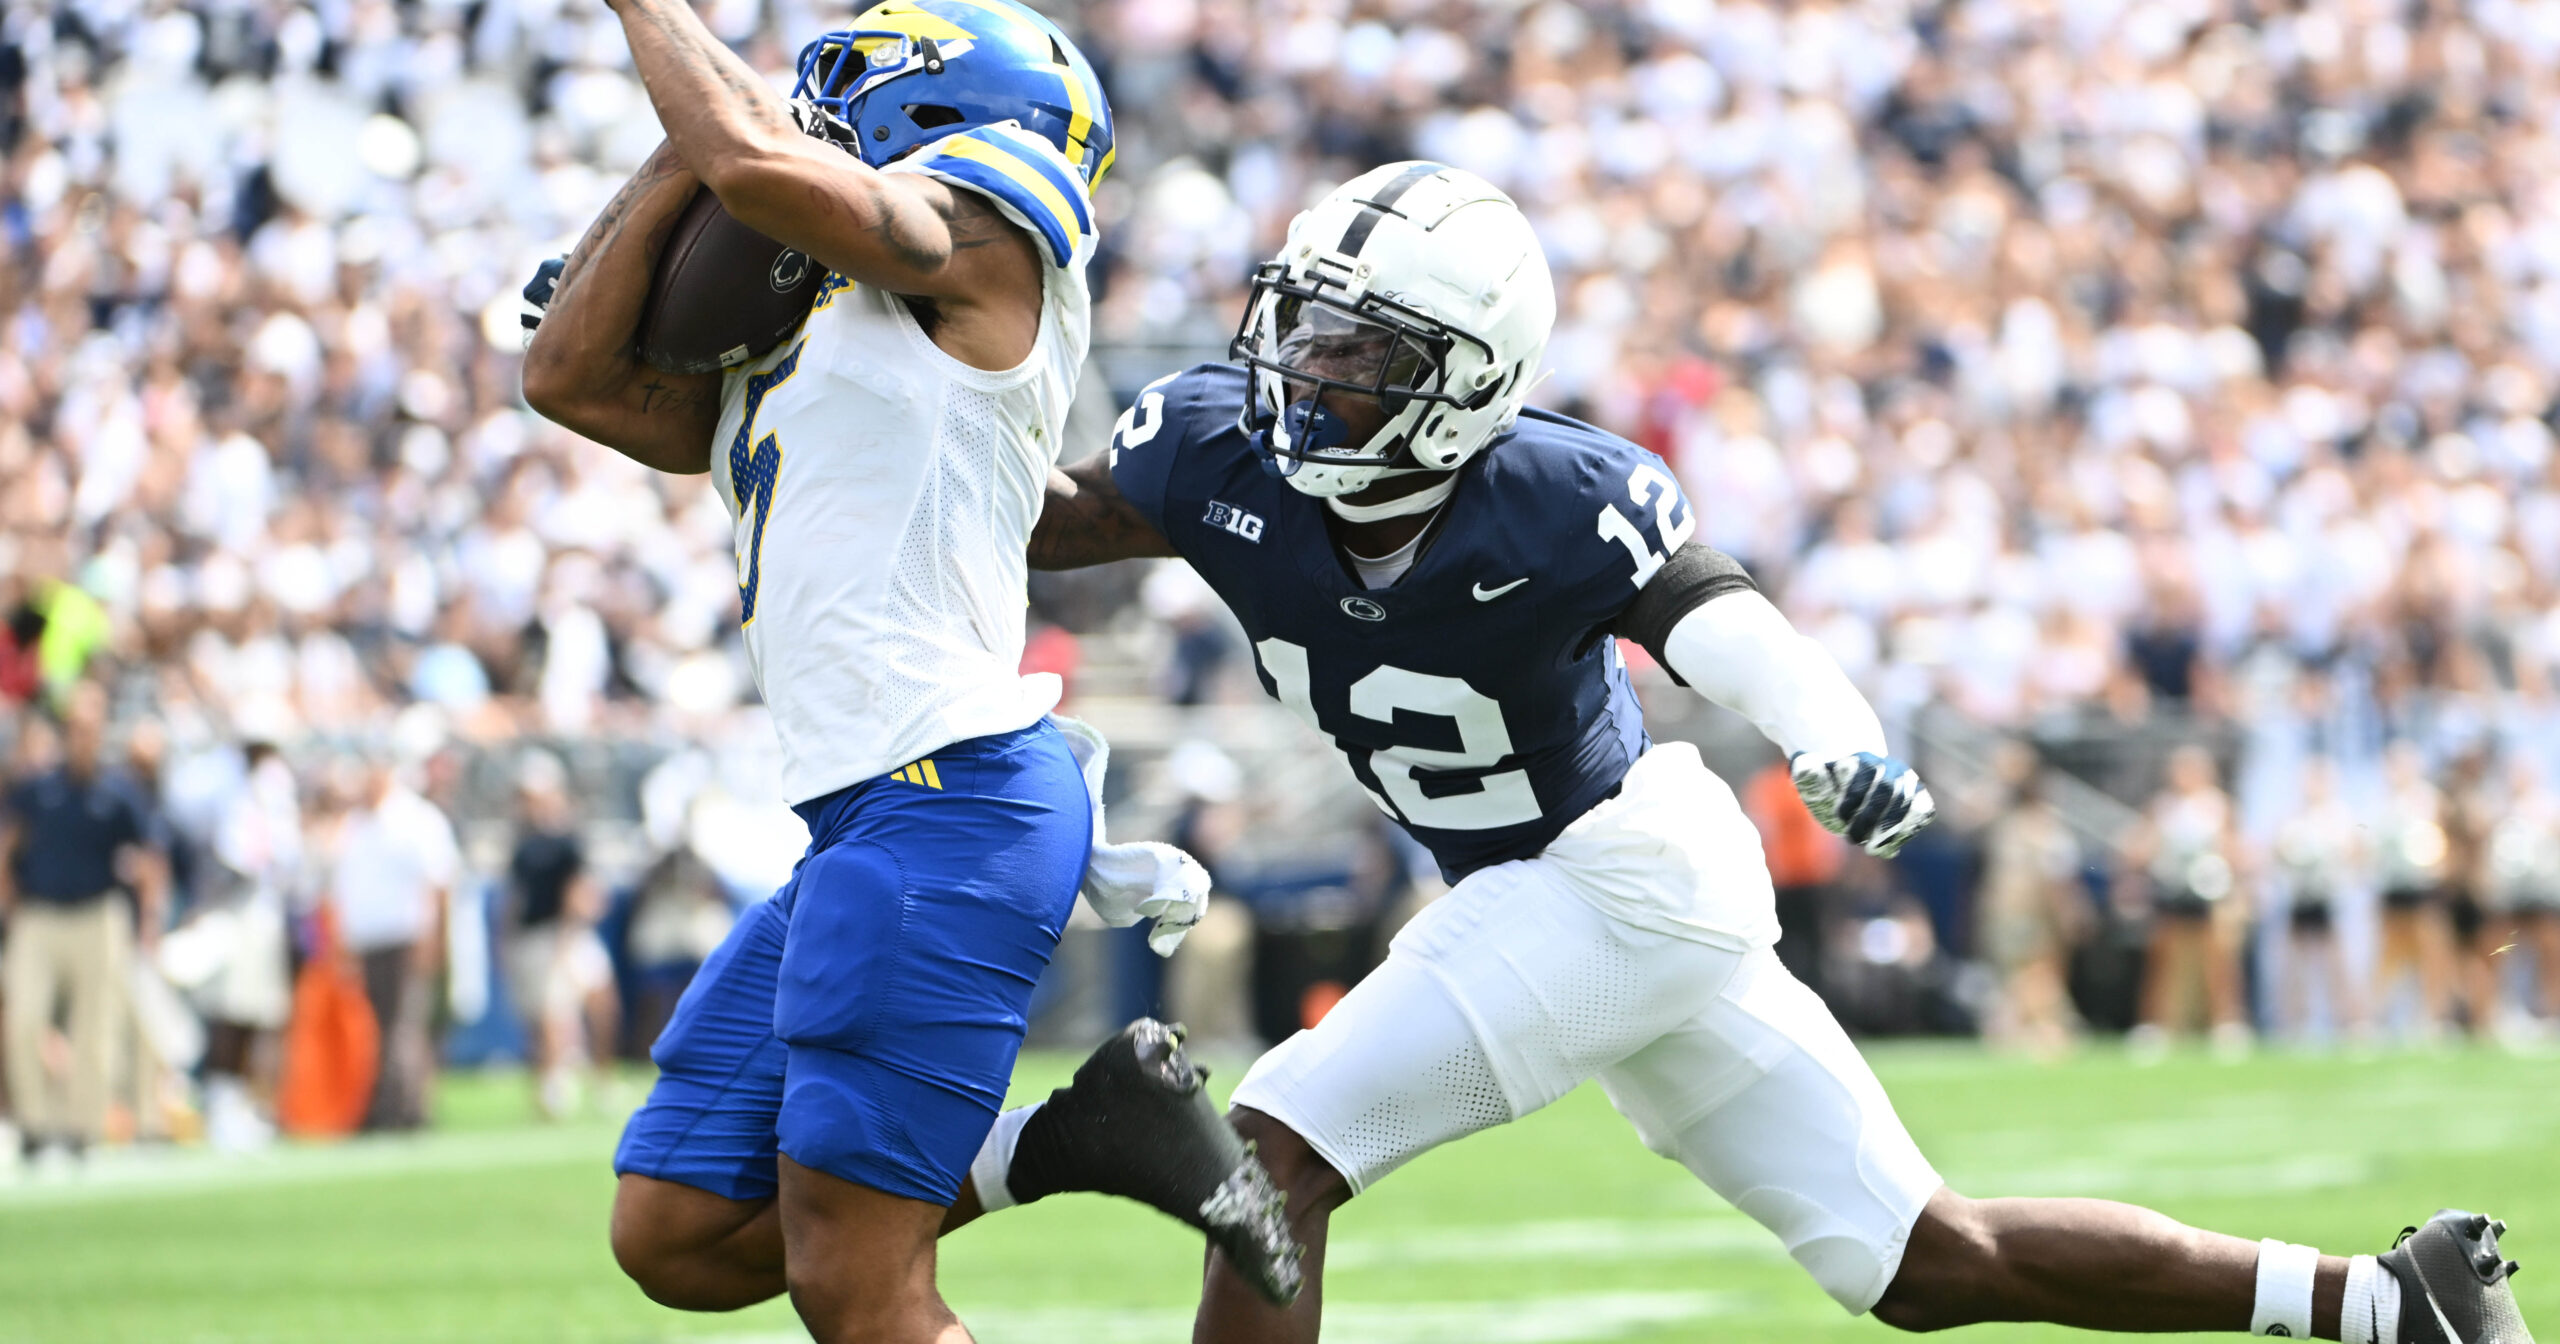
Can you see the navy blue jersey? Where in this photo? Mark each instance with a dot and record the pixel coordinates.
(1480, 698)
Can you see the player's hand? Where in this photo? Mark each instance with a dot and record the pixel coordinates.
(538, 292)
(1147, 879)
(1877, 802)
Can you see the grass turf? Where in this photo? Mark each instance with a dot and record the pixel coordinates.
(1560, 1228)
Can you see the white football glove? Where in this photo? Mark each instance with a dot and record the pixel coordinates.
(1877, 802)
(1145, 879)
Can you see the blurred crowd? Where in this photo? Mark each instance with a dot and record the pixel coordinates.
(2167, 386)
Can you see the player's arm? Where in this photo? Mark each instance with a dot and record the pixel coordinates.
(1703, 618)
(582, 369)
(1087, 521)
(903, 232)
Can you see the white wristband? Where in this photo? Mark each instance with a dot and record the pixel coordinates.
(2285, 1272)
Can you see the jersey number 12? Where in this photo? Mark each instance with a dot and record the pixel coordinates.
(1502, 799)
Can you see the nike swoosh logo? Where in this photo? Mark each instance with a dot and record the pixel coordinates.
(1484, 594)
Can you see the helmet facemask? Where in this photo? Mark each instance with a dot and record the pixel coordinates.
(838, 71)
(1327, 361)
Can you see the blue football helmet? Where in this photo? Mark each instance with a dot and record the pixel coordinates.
(909, 72)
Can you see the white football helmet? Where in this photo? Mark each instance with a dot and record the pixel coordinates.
(1418, 284)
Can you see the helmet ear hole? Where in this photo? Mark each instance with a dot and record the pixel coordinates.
(930, 115)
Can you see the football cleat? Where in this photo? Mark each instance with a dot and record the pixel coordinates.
(2453, 1282)
(1138, 1122)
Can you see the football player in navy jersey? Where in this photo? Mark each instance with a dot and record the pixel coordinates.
(1437, 579)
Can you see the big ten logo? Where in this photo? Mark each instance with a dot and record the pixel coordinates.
(1229, 518)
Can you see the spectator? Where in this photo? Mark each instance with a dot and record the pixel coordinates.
(2524, 855)
(2185, 852)
(2416, 857)
(2033, 911)
(392, 884)
(2056, 364)
(2474, 914)
(558, 971)
(246, 991)
(2319, 851)
(78, 841)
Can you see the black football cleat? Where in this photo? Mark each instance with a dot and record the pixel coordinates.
(1138, 1122)
(2453, 1282)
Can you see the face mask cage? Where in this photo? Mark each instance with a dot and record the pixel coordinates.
(839, 68)
(1304, 338)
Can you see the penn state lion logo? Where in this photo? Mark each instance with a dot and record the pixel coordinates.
(1363, 608)
(789, 269)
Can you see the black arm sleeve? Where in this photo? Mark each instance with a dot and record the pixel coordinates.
(1694, 575)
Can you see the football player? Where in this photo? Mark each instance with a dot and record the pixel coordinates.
(1439, 581)
(829, 1075)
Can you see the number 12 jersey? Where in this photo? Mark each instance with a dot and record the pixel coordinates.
(1480, 698)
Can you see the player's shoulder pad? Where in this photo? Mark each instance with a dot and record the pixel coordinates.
(1608, 511)
(1170, 415)
(1030, 181)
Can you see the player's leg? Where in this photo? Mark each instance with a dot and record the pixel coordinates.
(2221, 942)
(1137, 1121)
(694, 1222)
(2435, 966)
(1496, 1000)
(2164, 975)
(2396, 951)
(1766, 1100)
(694, 1250)
(2543, 934)
(863, 1262)
(1233, 1309)
(918, 930)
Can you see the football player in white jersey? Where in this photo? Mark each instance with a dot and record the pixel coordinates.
(829, 1075)
(1435, 577)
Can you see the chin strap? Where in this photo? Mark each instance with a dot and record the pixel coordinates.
(1420, 501)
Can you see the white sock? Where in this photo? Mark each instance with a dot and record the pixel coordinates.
(2371, 1313)
(995, 1158)
(2285, 1271)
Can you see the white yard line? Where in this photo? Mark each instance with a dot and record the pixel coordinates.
(145, 1174)
(1561, 1319)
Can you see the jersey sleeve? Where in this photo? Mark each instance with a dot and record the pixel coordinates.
(1030, 181)
(1633, 518)
(1146, 445)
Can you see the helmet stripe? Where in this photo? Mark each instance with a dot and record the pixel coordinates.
(1381, 205)
(1080, 116)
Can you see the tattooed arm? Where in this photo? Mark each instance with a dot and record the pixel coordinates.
(902, 232)
(582, 371)
(1087, 521)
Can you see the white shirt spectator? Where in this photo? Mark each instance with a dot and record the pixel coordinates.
(396, 860)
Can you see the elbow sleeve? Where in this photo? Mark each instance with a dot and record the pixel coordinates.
(1741, 653)
(1694, 575)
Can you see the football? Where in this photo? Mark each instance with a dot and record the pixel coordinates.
(722, 294)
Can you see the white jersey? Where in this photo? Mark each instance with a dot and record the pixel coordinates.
(883, 493)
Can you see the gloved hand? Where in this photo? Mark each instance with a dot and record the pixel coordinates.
(1878, 802)
(1144, 879)
(538, 292)
(1147, 879)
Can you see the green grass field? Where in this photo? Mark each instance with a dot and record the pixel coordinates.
(1560, 1228)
